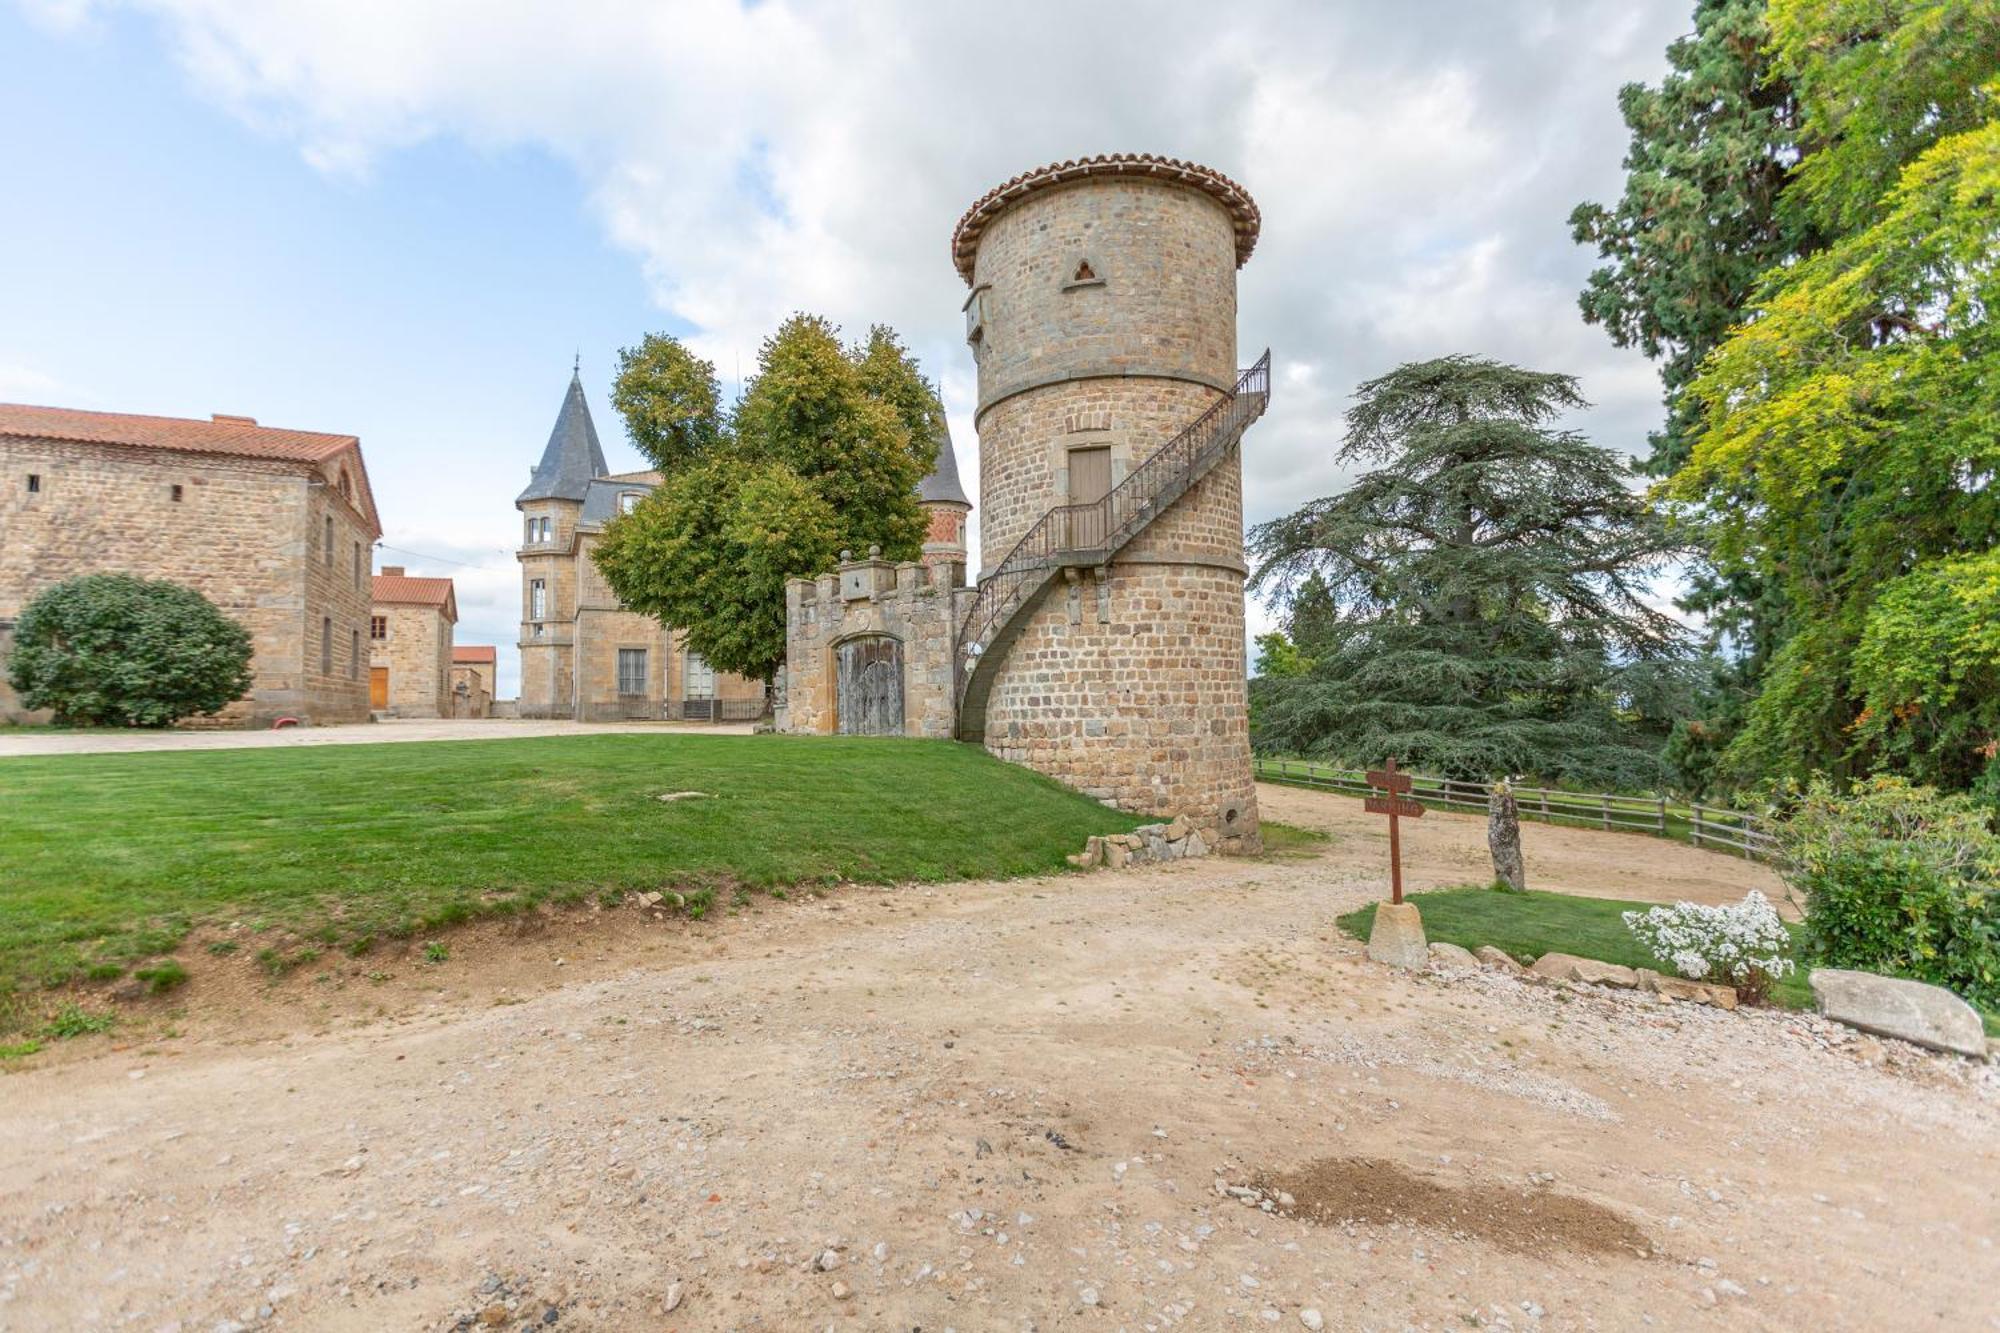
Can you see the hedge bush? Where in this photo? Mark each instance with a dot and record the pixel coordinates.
(1899, 879)
(117, 651)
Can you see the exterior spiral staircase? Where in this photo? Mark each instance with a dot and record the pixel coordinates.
(1084, 535)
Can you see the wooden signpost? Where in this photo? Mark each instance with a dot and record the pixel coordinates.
(1397, 805)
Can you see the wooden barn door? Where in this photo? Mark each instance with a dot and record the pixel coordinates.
(378, 687)
(870, 684)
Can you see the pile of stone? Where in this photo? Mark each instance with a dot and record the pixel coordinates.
(1149, 842)
(1569, 967)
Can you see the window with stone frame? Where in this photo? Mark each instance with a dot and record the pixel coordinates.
(628, 501)
(329, 539)
(326, 645)
(538, 599)
(378, 628)
(354, 657)
(357, 564)
(631, 670)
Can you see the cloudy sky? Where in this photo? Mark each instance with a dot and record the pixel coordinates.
(402, 218)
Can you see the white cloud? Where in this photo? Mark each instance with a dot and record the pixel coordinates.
(1415, 163)
(24, 384)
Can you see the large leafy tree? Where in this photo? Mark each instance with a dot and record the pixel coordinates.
(113, 650)
(709, 552)
(823, 454)
(1854, 414)
(670, 400)
(1699, 221)
(1476, 603)
(841, 418)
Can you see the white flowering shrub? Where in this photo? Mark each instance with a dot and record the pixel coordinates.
(1744, 945)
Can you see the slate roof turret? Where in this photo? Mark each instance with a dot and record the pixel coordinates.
(573, 457)
(942, 485)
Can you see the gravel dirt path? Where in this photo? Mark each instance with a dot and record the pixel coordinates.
(994, 1106)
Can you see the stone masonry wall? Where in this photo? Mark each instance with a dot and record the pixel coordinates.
(902, 601)
(547, 652)
(1126, 683)
(418, 656)
(471, 691)
(248, 534)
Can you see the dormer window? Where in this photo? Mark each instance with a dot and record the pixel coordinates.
(628, 501)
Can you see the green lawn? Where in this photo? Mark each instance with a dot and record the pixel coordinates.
(109, 860)
(1528, 925)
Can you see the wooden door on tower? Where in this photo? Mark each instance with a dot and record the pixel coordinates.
(869, 682)
(1089, 482)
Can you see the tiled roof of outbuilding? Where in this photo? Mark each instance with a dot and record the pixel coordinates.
(403, 590)
(472, 654)
(222, 435)
(1242, 208)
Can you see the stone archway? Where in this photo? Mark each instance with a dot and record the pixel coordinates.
(868, 680)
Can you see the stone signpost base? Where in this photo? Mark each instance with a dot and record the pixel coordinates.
(1398, 936)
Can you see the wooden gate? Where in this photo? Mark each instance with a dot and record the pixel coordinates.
(869, 684)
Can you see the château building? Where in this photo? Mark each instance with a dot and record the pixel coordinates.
(583, 654)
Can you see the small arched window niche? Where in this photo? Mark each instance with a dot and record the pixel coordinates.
(1084, 273)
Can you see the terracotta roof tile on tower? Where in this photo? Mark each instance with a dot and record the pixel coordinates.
(403, 590)
(1242, 208)
(473, 654)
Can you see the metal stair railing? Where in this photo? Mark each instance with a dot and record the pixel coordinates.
(1092, 533)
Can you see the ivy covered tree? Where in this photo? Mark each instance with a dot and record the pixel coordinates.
(1476, 603)
(823, 454)
(1851, 417)
(111, 650)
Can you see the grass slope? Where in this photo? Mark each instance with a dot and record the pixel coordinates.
(109, 859)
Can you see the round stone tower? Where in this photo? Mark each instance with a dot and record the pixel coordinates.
(1105, 646)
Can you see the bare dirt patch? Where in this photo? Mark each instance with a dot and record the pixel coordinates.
(1339, 1190)
(609, 1116)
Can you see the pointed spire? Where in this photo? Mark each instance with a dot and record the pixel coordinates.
(942, 485)
(573, 456)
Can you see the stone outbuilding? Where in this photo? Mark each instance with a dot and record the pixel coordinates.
(473, 667)
(276, 527)
(410, 634)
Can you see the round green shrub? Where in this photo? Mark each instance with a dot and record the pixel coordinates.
(117, 651)
(1899, 879)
